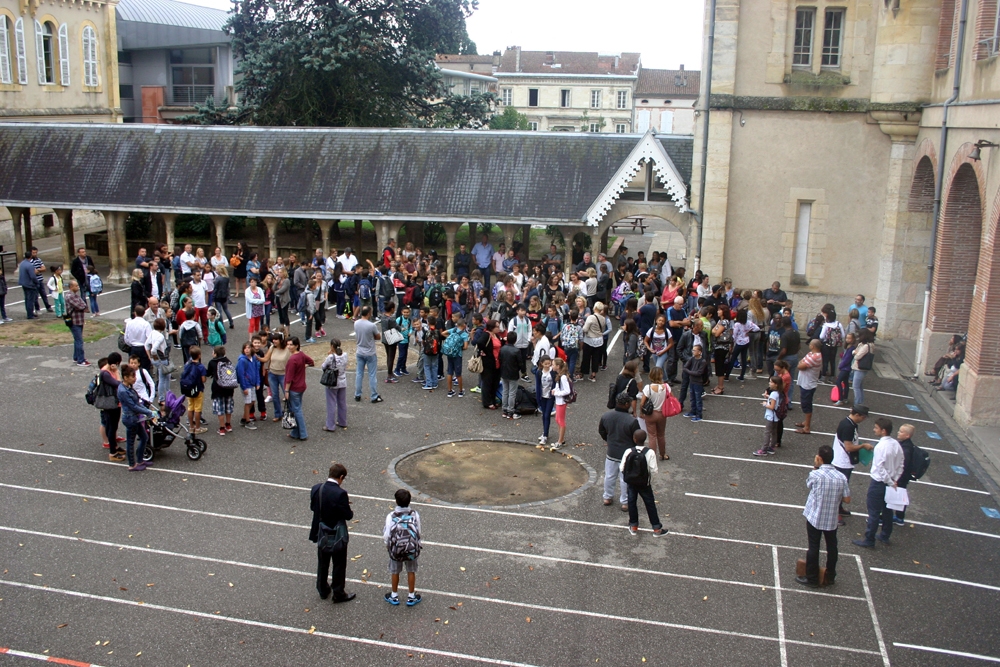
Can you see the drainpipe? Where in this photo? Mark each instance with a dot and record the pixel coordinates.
(707, 83)
(918, 362)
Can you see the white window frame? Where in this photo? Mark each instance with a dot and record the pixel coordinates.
(64, 78)
(803, 220)
(802, 48)
(832, 55)
(595, 99)
(5, 77)
(506, 96)
(620, 128)
(533, 125)
(43, 79)
(622, 101)
(91, 70)
(595, 127)
(20, 52)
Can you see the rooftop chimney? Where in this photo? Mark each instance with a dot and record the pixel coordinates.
(517, 58)
(682, 67)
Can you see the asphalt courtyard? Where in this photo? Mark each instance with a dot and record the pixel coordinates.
(207, 562)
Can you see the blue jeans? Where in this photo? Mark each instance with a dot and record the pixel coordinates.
(162, 379)
(486, 275)
(295, 407)
(402, 350)
(877, 510)
(132, 451)
(858, 382)
(371, 361)
(546, 406)
(431, 371)
(697, 389)
(94, 308)
(571, 356)
(660, 360)
(276, 383)
(30, 297)
(78, 355)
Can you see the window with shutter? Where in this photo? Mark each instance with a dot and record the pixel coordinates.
(22, 58)
(40, 53)
(90, 76)
(4, 51)
(64, 55)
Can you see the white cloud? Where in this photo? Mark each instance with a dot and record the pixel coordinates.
(666, 32)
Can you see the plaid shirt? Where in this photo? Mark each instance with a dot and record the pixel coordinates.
(76, 307)
(827, 486)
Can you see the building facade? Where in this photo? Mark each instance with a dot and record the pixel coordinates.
(825, 159)
(58, 61)
(664, 100)
(569, 91)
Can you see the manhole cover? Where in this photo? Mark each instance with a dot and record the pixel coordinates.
(485, 473)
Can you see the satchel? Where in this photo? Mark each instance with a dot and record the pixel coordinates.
(288, 421)
(330, 377)
(392, 336)
(865, 362)
(475, 365)
(331, 540)
(107, 397)
(122, 345)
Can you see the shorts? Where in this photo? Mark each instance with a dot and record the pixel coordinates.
(806, 400)
(223, 406)
(396, 566)
(455, 366)
(194, 404)
(251, 396)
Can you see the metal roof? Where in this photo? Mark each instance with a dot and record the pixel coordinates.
(387, 174)
(171, 12)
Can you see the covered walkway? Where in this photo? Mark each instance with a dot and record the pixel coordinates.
(584, 182)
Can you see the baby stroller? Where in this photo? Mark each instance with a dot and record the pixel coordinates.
(169, 426)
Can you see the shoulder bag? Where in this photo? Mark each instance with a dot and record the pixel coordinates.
(107, 397)
(330, 376)
(288, 421)
(331, 540)
(475, 364)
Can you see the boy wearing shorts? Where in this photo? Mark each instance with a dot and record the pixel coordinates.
(196, 374)
(222, 397)
(402, 539)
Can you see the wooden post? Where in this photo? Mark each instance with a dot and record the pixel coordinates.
(359, 243)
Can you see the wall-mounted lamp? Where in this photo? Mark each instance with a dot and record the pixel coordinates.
(742, 120)
(982, 143)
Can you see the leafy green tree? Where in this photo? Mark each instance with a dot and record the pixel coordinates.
(510, 119)
(353, 63)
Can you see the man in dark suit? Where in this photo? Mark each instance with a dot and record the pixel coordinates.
(330, 505)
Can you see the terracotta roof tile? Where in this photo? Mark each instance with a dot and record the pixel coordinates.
(668, 82)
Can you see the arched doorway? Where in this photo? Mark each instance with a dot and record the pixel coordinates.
(957, 256)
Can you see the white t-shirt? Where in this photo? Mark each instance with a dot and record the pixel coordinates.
(657, 397)
(657, 341)
(198, 294)
(841, 459)
(157, 343)
(186, 260)
(347, 264)
(769, 414)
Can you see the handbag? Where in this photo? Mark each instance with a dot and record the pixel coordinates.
(330, 377)
(288, 421)
(475, 365)
(122, 345)
(865, 362)
(331, 540)
(392, 336)
(671, 406)
(107, 397)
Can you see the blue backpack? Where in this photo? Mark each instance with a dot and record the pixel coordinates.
(365, 289)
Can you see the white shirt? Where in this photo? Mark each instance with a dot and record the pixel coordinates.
(198, 294)
(219, 261)
(887, 464)
(186, 260)
(141, 387)
(650, 459)
(137, 332)
(157, 343)
(330, 264)
(347, 264)
(543, 347)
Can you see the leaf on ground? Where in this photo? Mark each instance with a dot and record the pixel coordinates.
(704, 598)
(230, 584)
(462, 569)
(437, 620)
(62, 625)
(453, 608)
(527, 619)
(106, 643)
(916, 562)
(753, 572)
(150, 585)
(138, 654)
(459, 604)
(122, 588)
(312, 629)
(496, 578)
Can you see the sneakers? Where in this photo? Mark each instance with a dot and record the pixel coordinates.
(391, 380)
(451, 393)
(542, 439)
(689, 414)
(392, 599)
(696, 419)
(660, 532)
(268, 399)
(229, 428)
(515, 416)
(461, 394)
(309, 340)
(764, 451)
(633, 531)
(475, 390)
(222, 431)
(403, 372)
(377, 399)
(117, 458)
(84, 364)
(250, 426)
(413, 600)
(899, 522)
(525, 378)
(417, 380)
(863, 543)
(357, 398)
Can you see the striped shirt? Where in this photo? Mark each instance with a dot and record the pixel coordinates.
(827, 487)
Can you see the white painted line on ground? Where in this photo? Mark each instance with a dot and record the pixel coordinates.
(782, 649)
(719, 421)
(478, 598)
(871, 610)
(856, 471)
(524, 515)
(45, 658)
(798, 507)
(460, 547)
(960, 654)
(14, 303)
(872, 391)
(269, 626)
(828, 407)
(614, 340)
(940, 451)
(960, 582)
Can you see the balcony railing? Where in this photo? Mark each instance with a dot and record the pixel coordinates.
(188, 95)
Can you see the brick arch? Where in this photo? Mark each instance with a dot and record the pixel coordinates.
(983, 350)
(922, 187)
(960, 231)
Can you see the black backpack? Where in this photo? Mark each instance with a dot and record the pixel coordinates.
(636, 472)
(920, 461)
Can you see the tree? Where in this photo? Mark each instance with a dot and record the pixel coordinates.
(510, 119)
(353, 63)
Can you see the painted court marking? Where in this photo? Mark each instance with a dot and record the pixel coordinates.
(45, 658)
(960, 654)
(871, 610)
(991, 512)
(960, 470)
(460, 547)
(447, 594)
(828, 407)
(933, 435)
(912, 408)
(856, 472)
(798, 507)
(269, 626)
(919, 575)
(783, 650)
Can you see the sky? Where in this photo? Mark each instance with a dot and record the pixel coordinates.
(666, 32)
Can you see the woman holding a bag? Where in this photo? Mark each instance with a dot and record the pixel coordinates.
(722, 344)
(653, 397)
(864, 354)
(391, 341)
(335, 380)
(254, 305)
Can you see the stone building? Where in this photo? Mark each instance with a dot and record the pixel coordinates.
(665, 99)
(569, 91)
(832, 129)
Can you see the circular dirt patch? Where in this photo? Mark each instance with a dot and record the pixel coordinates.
(491, 473)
